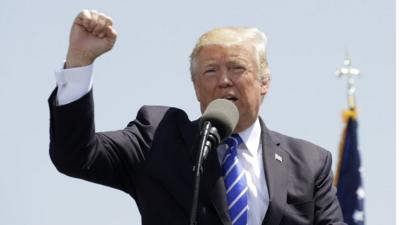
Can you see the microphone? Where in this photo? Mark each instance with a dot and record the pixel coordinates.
(219, 120)
(217, 123)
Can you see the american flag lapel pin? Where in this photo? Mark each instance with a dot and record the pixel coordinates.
(278, 157)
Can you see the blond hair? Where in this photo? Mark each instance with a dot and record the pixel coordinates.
(234, 36)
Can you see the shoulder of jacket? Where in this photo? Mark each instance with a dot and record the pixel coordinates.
(153, 115)
(298, 146)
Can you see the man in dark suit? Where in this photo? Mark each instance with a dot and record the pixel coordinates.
(287, 180)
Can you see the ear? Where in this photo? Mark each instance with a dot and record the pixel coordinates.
(265, 85)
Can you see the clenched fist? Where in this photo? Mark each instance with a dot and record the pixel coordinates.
(91, 35)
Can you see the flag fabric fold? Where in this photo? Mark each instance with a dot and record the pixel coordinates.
(348, 179)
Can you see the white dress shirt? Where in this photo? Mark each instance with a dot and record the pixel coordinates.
(74, 83)
(250, 158)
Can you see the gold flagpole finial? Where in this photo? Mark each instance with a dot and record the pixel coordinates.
(350, 72)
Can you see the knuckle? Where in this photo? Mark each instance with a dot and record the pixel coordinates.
(94, 14)
(109, 20)
(84, 14)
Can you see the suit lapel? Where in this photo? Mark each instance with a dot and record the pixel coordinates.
(275, 160)
(212, 181)
(215, 187)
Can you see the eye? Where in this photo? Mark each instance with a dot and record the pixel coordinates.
(210, 71)
(238, 68)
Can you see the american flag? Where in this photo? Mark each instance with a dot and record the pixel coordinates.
(348, 180)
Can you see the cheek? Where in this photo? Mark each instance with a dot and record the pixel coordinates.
(203, 90)
(251, 93)
(207, 85)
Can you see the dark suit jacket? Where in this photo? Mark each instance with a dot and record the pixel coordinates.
(152, 159)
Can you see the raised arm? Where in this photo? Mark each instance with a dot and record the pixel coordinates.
(76, 149)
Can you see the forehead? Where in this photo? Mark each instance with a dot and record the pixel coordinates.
(213, 52)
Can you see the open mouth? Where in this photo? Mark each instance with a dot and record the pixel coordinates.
(231, 98)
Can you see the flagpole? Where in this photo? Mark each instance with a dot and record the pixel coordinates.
(349, 72)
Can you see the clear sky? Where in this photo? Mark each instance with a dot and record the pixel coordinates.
(149, 65)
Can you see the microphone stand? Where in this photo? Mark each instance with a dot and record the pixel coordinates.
(209, 138)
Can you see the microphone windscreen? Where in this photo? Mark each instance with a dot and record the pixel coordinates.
(223, 115)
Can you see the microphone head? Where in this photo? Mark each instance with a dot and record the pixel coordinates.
(223, 115)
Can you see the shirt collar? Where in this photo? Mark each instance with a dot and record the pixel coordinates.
(251, 137)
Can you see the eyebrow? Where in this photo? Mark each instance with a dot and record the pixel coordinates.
(240, 61)
(210, 63)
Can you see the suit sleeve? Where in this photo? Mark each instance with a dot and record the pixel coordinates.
(327, 208)
(108, 158)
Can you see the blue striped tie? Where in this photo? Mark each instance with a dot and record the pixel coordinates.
(235, 182)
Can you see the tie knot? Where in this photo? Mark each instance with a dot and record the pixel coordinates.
(234, 140)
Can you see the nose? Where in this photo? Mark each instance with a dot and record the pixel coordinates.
(224, 80)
